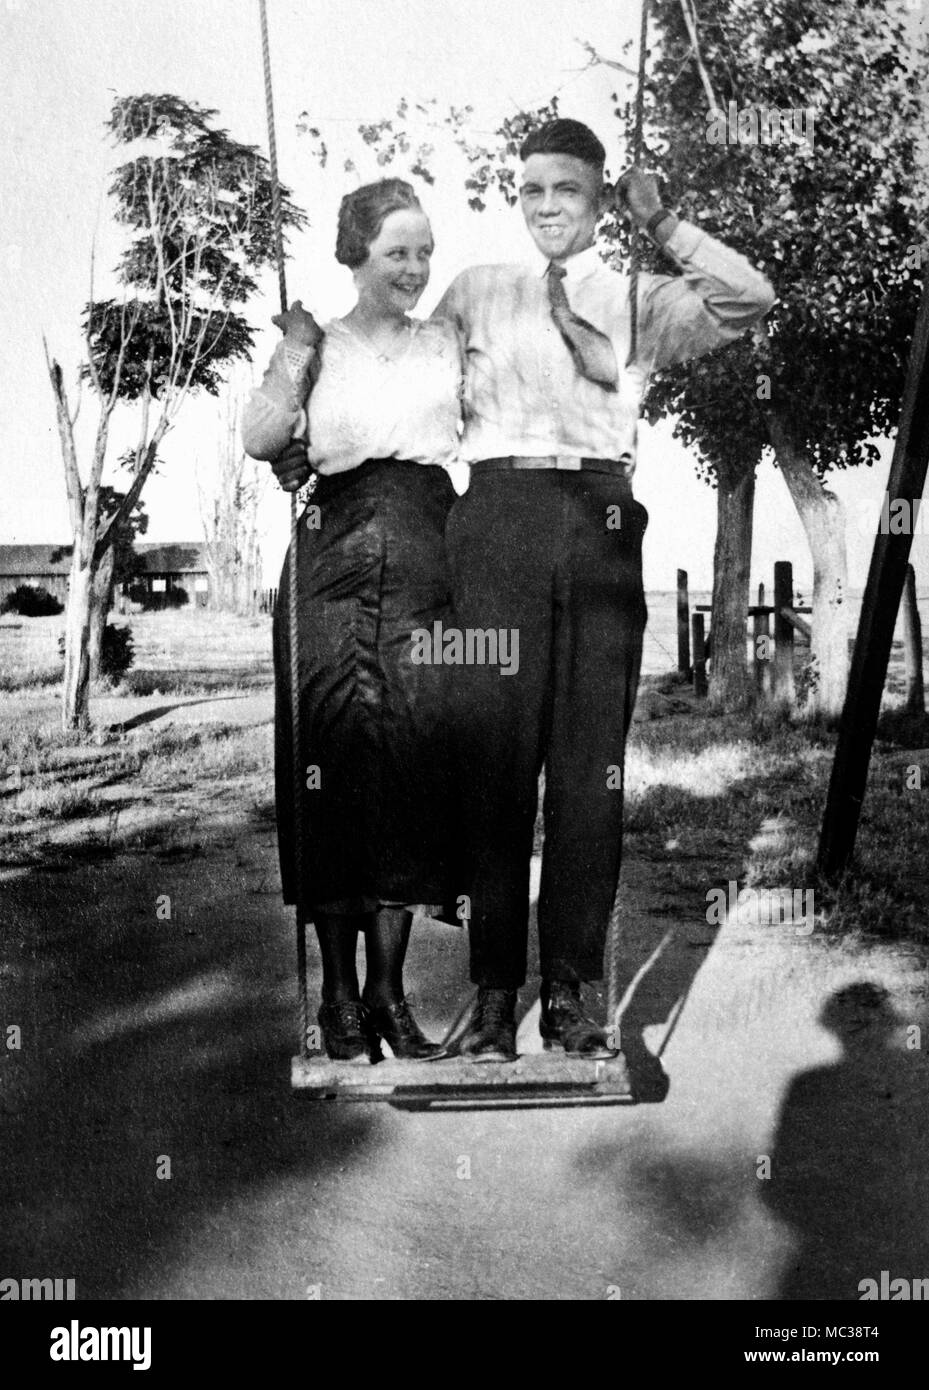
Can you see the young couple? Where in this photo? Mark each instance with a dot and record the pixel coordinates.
(422, 777)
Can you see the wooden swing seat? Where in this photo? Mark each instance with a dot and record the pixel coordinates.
(535, 1079)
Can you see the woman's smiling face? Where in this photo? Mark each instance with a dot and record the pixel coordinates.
(396, 272)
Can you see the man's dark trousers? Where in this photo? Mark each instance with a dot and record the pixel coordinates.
(555, 556)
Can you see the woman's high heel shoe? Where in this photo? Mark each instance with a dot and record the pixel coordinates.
(348, 1034)
(398, 1028)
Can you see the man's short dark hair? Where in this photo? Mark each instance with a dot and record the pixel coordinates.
(565, 137)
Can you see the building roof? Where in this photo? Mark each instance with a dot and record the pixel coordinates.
(169, 557)
(34, 559)
(172, 557)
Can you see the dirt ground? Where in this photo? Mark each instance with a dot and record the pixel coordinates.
(150, 1146)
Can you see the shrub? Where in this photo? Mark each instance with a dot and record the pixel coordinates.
(117, 652)
(31, 601)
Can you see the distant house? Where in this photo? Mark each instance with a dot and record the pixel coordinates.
(171, 566)
(41, 566)
(164, 568)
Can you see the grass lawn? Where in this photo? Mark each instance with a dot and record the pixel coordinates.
(758, 785)
(63, 792)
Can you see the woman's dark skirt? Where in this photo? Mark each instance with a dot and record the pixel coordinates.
(376, 766)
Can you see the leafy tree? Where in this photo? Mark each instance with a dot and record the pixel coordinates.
(830, 219)
(196, 207)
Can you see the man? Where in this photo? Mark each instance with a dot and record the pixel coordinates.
(546, 543)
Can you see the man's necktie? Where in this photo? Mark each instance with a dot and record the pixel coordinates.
(592, 351)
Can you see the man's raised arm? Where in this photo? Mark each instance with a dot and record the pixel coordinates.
(717, 297)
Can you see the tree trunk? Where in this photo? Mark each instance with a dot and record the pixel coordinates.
(232, 538)
(222, 552)
(75, 709)
(731, 682)
(101, 601)
(823, 518)
(252, 565)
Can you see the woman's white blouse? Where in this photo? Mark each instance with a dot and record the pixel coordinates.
(362, 406)
(365, 407)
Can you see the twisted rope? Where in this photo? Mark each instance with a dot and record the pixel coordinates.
(276, 211)
(635, 253)
(614, 1001)
(292, 587)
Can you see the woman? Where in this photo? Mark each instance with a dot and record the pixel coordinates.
(382, 420)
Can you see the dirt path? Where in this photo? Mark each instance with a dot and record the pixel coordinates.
(146, 1039)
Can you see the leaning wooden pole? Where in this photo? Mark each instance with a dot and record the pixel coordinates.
(292, 591)
(886, 577)
(913, 646)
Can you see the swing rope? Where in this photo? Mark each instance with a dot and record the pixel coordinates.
(615, 1001)
(635, 253)
(292, 592)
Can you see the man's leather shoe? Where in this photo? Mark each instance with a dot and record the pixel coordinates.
(564, 1021)
(397, 1026)
(347, 1032)
(491, 1034)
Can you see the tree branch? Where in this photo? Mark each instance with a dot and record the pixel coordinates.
(107, 533)
(73, 484)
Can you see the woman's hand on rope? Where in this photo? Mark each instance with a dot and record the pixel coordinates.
(299, 326)
(292, 468)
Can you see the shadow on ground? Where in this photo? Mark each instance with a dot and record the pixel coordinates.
(848, 1163)
(145, 1040)
(845, 1176)
(148, 716)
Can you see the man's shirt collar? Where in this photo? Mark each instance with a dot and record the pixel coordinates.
(576, 267)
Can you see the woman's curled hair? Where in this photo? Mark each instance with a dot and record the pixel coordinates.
(363, 213)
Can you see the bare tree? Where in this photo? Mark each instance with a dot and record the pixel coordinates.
(199, 207)
(229, 513)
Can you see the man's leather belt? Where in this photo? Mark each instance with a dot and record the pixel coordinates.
(561, 461)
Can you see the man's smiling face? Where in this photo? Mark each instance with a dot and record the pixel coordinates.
(561, 198)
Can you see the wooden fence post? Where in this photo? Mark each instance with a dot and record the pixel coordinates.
(913, 646)
(683, 626)
(699, 668)
(783, 633)
(761, 627)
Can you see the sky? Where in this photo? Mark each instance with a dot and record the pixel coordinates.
(340, 61)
